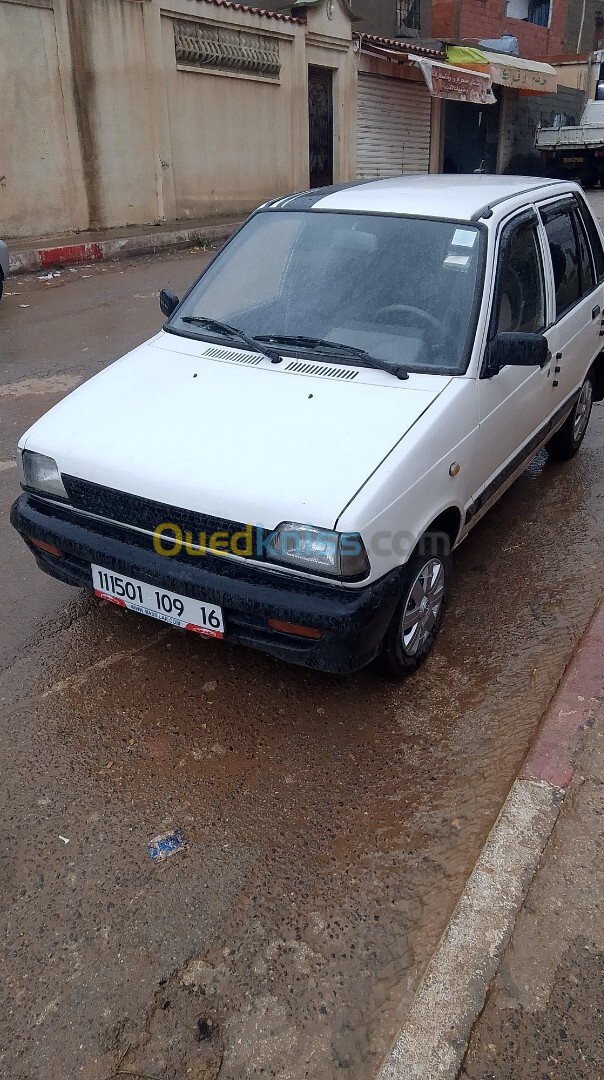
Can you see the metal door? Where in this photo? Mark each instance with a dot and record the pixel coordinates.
(393, 127)
(320, 126)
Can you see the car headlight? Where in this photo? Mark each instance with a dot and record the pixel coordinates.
(339, 555)
(40, 473)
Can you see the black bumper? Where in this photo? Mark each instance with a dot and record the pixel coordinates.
(353, 621)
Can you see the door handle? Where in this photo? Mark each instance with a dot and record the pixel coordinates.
(595, 311)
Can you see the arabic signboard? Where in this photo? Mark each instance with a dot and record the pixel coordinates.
(524, 78)
(457, 84)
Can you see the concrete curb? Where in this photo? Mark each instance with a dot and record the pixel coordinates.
(117, 248)
(433, 1040)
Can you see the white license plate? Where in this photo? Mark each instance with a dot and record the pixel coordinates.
(160, 604)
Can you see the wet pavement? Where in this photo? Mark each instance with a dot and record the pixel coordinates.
(330, 823)
(544, 1016)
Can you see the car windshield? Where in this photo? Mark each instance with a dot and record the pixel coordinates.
(401, 289)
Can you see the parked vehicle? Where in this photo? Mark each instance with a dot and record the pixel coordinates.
(348, 387)
(575, 152)
(3, 265)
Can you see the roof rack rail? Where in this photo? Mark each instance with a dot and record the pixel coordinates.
(486, 211)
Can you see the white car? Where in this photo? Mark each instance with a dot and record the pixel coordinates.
(348, 387)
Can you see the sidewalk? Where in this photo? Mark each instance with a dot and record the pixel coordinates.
(544, 1016)
(29, 254)
(45, 253)
(527, 935)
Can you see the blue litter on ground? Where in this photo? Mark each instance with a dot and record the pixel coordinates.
(166, 844)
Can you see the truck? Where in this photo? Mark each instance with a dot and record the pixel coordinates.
(575, 152)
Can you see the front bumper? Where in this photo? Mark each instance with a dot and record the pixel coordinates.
(353, 621)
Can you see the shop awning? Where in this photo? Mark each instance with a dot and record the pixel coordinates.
(512, 71)
(521, 74)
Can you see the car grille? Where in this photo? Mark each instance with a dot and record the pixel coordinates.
(147, 514)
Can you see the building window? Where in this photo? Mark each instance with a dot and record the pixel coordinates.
(532, 11)
(407, 16)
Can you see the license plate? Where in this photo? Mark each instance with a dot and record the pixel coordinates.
(573, 160)
(160, 604)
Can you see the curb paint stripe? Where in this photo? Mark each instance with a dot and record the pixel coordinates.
(433, 1039)
(569, 717)
(123, 247)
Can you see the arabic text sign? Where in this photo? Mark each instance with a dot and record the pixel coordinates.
(541, 82)
(457, 84)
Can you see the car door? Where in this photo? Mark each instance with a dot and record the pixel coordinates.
(577, 272)
(515, 402)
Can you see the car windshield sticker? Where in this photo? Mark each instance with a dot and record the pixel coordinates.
(464, 238)
(460, 261)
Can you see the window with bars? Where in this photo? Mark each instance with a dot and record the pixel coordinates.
(407, 15)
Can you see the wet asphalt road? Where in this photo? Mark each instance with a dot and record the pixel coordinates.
(331, 823)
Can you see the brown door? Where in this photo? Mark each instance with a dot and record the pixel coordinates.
(320, 126)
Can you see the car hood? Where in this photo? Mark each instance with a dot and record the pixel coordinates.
(217, 430)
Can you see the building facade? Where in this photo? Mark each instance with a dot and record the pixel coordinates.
(543, 27)
(584, 27)
(394, 18)
(539, 25)
(130, 112)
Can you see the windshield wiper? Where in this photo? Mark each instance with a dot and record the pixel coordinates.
(234, 332)
(336, 347)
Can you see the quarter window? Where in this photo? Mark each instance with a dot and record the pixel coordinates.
(594, 238)
(586, 269)
(522, 293)
(565, 261)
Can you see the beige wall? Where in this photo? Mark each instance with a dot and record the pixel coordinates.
(36, 188)
(110, 88)
(234, 139)
(101, 126)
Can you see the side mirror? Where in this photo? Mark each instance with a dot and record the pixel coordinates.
(518, 350)
(168, 302)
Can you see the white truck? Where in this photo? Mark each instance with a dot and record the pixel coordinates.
(577, 152)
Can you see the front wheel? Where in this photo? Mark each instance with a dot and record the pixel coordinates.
(419, 615)
(565, 443)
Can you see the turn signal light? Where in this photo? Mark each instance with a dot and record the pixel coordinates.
(49, 548)
(293, 628)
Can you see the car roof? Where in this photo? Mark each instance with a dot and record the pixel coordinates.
(462, 197)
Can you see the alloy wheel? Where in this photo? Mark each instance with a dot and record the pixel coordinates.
(583, 410)
(423, 606)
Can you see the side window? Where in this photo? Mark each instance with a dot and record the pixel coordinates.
(522, 292)
(565, 260)
(594, 238)
(586, 270)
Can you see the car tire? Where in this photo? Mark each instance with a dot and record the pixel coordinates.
(1, 284)
(420, 612)
(565, 443)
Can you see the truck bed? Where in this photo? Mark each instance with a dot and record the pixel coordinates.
(580, 137)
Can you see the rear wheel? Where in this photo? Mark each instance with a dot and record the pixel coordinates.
(418, 618)
(565, 443)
